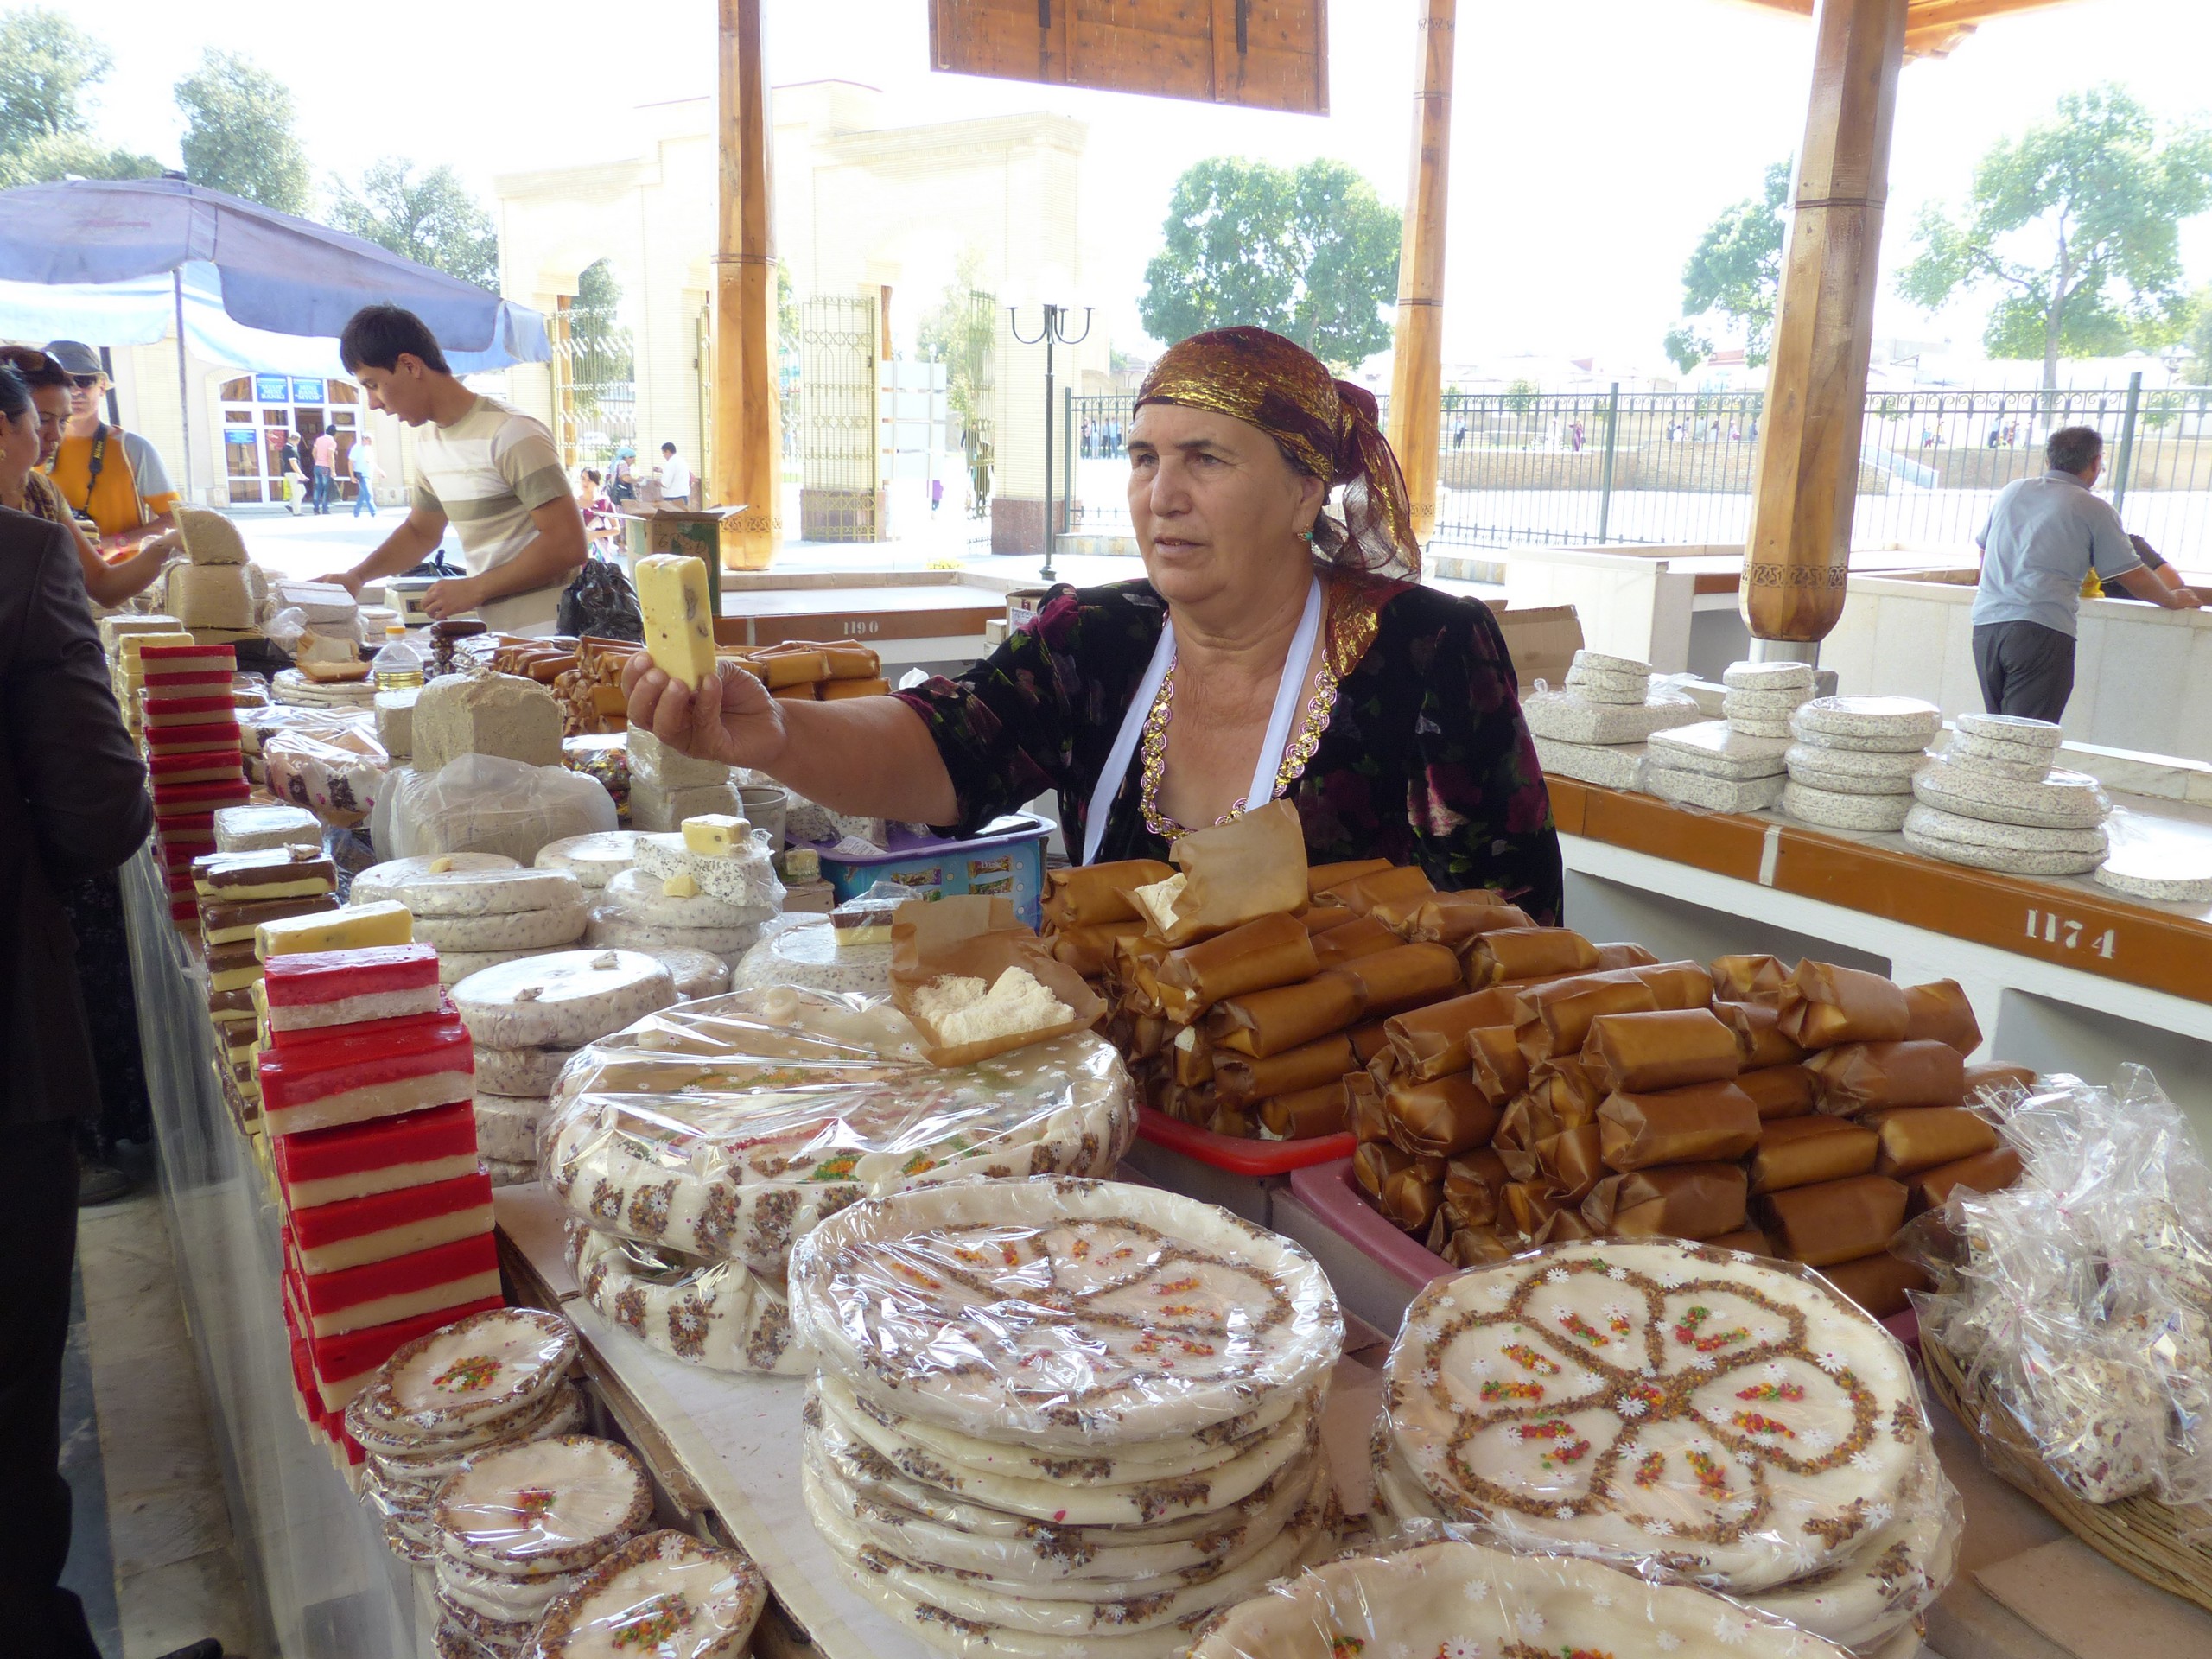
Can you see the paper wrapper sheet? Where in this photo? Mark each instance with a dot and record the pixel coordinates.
(1320, 878)
(1939, 1012)
(1236, 873)
(1495, 1060)
(1748, 979)
(1319, 919)
(1271, 1022)
(1878, 1283)
(1562, 1009)
(1361, 893)
(1258, 957)
(1392, 982)
(1474, 1183)
(1680, 1201)
(1779, 1090)
(1431, 1041)
(1914, 1138)
(1987, 1172)
(1705, 1122)
(1241, 1077)
(1855, 1077)
(1088, 948)
(1089, 895)
(1835, 1220)
(1362, 936)
(1824, 1005)
(1759, 1038)
(1626, 953)
(979, 937)
(1571, 1163)
(1445, 1116)
(1568, 1089)
(1995, 1075)
(1805, 1151)
(1450, 919)
(1377, 1161)
(1519, 953)
(1637, 1053)
(1364, 1114)
(1309, 1112)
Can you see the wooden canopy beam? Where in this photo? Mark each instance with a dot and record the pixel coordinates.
(1417, 363)
(745, 460)
(1932, 27)
(1807, 469)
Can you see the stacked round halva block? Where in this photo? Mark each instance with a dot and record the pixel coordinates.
(494, 1379)
(595, 859)
(664, 1594)
(695, 1148)
(1733, 764)
(1063, 1418)
(478, 909)
(667, 785)
(1699, 1416)
(1994, 801)
(675, 896)
(527, 1018)
(1855, 759)
(1595, 730)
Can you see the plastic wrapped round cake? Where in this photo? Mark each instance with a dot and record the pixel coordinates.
(664, 1594)
(1063, 1417)
(717, 1314)
(729, 1127)
(1701, 1415)
(803, 951)
(1451, 1598)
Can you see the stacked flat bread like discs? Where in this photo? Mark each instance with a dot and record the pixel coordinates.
(1733, 764)
(1719, 1418)
(663, 1594)
(1063, 1417)
(480, 909)
(527, 1018)
(1595, 730)
(1994, 800)
(1853, 761)
(1452, 1599)
(717, 1133)
(802, 950)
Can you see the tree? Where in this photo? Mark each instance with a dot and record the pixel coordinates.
(2077, 224)
(237, 133)
(432, 220)
(1733, 277)
(2198, 339)
(47, 67)
(1313, 254)
(959, 332)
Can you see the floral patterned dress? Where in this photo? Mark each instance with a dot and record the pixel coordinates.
(1426, 759)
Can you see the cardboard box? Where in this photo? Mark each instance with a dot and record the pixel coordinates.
(1541, 638)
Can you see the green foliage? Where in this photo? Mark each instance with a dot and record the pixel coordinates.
(47, 67)
(237, 133)
(1733, 278)
(2077, 225)
(1311, 253)
(959, 332)
(1521, 395)
(431, 219)
(599, 348)
(2198, 339)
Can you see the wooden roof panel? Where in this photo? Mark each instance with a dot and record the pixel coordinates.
(1932, 28)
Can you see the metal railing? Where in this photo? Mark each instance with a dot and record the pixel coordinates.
(1677, 468)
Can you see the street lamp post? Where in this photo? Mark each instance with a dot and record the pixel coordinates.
(1054, 332)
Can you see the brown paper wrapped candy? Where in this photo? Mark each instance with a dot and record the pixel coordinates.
(1916, 1137)
(1679, 1201)
(1320, 878)
(1748, 979)
(1777, 1091)
(1939, 1012)
(1369, 1038)
(1433, 1040)
(1269, 1022)
(1878, 1283)
(1231, 1119)
(1749, 1240)
(1409, 1199)
(1855, 1077)
(1377, 1161)
(1258, 957)
(1445, 1116)
(1528, 1207)
(1241, 1077)
(1188, 1105)
(1627, 955)
(1805, 1151)
(1525, 1121)
(1759, 1040)
(1448, 919)
(1985, 1171)
(1563, 1084)
(1496, 1060)
(1475, 1247)
(1362, 936)
(1230, 874)
(1566, 1226)
(1571, 1163)
(1391, 981)
(1671, 1048)
(1991, 1074)
(1193, 1056)
(1089, 948)
(1149, 1034)
(1677, 984)
(1824, 1005)
(1319, 919)
(1518, 953)
(1364, 1113)
(1679, 1125)
(1474, 1184)
(1835, 1220)
(1135, 956)
(1554, 1018)
(1363, 893)
(1086, 895)
(1308, 1113)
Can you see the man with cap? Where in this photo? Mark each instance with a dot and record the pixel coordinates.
(112, 477)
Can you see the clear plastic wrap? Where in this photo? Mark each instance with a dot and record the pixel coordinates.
(487, 804)
(1693, 1415)
(543, 1506)
(716, 1314)
(802, 950)
(1456, 1600)
(664, 1594)
(2080, 1298)
(726, 1129)
(336, 770)
(1071, 1314)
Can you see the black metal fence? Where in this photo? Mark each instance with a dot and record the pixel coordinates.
(1676, 468)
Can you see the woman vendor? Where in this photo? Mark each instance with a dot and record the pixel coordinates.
(1272, 650)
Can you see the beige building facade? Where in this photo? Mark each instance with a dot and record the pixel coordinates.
(864, 212)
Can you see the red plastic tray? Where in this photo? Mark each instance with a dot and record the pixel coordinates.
(1236, 1154)
(1331, 1194)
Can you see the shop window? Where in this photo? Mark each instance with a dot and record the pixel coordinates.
(239, 390)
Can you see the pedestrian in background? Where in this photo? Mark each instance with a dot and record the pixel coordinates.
(294, 479)
(326, 468)
(362, 459)
(674, 478)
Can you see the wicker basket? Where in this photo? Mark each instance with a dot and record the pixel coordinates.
(2149, 1539)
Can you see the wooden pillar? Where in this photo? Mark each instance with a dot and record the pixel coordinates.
(747, 462)
(1417, 366)
(1807, 469)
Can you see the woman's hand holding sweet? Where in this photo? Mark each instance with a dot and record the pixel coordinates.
(730, 718)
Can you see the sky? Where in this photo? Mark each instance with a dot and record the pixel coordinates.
(1592, 140)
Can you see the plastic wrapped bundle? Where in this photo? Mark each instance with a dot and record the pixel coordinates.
(802, 951)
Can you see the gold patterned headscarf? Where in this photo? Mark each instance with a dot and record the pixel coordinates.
(1328, 427)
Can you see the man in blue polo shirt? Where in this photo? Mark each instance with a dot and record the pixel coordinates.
(2043, 537)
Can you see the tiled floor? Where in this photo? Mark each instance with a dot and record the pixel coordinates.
(150, 1553)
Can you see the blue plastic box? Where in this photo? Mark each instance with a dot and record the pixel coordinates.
(1008, 858)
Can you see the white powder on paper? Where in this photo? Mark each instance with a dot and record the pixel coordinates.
(961, 1011)
(1158, 900)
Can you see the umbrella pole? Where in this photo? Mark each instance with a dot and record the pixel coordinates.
(183, 396)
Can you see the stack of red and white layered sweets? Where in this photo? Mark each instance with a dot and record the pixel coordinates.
(191, 730)
(365, 1094)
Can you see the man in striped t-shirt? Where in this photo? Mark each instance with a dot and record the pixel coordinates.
(488, 470)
